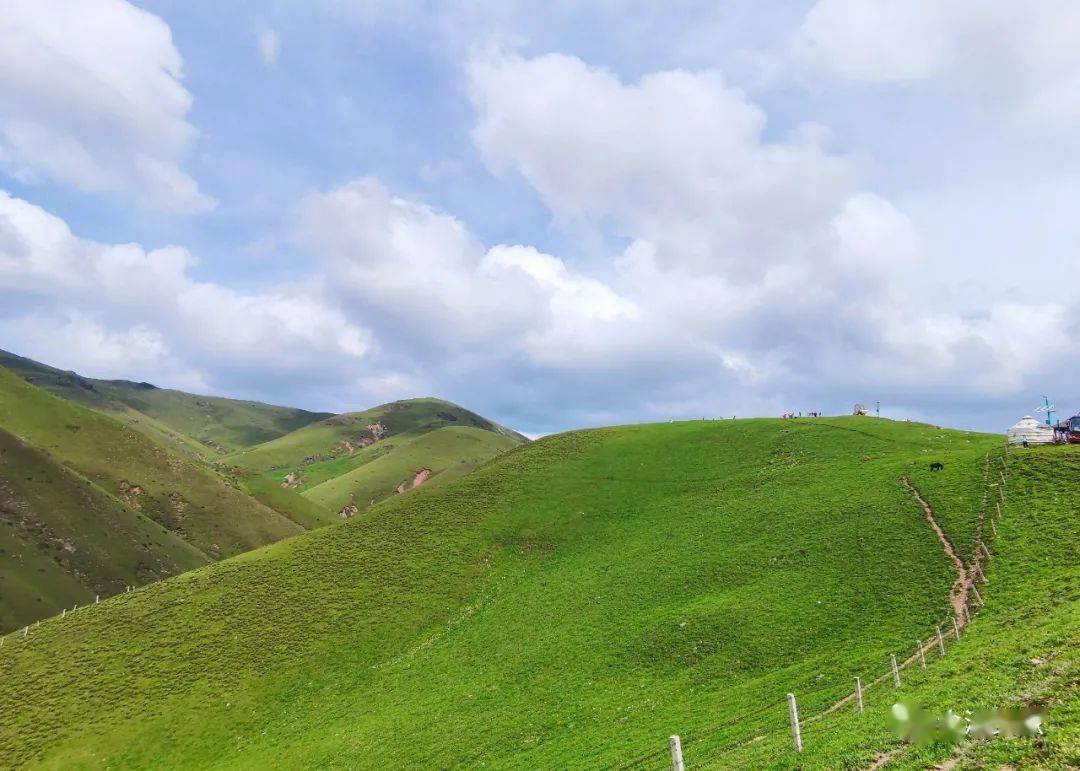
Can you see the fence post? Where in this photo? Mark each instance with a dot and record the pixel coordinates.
(977, 595)
(895, 670)
(858, 694)
(25, 631)
(993, 527)
(982, 575)
(922, 656)
(940, 639)
(956, 627)
(985, 550)
(998, 505)
(97, 598)
(793, 713)
(63, 612)
(676, 753)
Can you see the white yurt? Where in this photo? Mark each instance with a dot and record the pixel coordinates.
(1030, 430)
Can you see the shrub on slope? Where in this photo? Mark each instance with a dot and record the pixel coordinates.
(570, 604)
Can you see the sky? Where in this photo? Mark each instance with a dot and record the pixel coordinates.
(558, 214)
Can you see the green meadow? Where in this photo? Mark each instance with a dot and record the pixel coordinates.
(574, 602)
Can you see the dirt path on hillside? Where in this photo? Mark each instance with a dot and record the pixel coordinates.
(958, 595)
(962, 585)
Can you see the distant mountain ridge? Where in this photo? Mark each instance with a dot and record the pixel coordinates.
(204, 425)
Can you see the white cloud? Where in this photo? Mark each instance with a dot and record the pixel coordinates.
(1020, 58)
(76, 341)
(118, 297)
(677, 159)
(90, 95)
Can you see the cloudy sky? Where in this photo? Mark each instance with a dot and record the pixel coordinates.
(555, 213)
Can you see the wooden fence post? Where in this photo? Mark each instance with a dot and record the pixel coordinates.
(63, 612)
(982, 575)
(793, 713)
(922, 656)
(956, 627)
(977, 595)
(858, 694)
(676, 753)
(998, 505)
(97, 598)
(940, 639)
(895, 670)
(985, 550)
(993, 527)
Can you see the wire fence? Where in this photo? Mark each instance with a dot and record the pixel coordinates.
(995, 482)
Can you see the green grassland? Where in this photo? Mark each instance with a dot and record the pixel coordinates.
(286, 501)
(317, 452)
(1021, 650)
(206, 426)
(449, 452)
(186, 498)
(570, 604)
(65, 540)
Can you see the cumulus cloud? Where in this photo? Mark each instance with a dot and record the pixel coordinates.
(1020, 57)
(117, 297)
(82, 343)
(759, 259)
(90, 96)
(749, 270)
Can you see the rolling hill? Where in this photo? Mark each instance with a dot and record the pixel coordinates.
(360, 458)
(203, 425)
(577, 600)
(122, 508)
(65, 540)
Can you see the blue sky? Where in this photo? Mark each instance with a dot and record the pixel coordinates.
(558, 214)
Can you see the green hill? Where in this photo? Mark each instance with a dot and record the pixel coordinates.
(433, 458)
(137, 475)
(65, 540)
(204, 425)
(360, 457)
(577, 600)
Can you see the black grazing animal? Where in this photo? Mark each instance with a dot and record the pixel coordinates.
(937, 466)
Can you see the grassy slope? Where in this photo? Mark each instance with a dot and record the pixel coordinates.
(449, 452)
(289, 502)
(65, 540)
(203, 425)
(405, 420)
(570, 604)
(1022, 649)
(182, 496)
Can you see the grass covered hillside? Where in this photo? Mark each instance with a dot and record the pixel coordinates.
(184, 497)
(64, 540)
(206, 425)
(360, 457)
(574, 602)
(447, 453)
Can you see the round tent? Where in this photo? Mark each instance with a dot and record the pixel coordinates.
(1029, 430)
